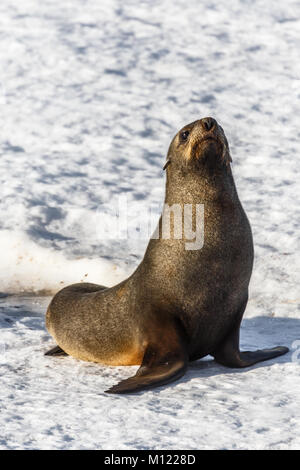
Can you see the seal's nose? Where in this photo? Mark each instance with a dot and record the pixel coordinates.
(208, 123)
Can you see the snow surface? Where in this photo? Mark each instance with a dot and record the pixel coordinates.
(91, 95)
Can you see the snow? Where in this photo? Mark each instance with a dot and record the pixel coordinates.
(91, 95)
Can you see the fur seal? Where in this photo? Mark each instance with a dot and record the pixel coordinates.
(179, 305)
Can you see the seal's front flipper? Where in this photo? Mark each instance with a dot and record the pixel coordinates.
(247, 358)
(228, 353)
(162, 363)
(56, 351)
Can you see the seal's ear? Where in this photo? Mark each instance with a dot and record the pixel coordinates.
(226, 157)
(167, 163)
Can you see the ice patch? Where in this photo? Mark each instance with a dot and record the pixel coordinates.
(28, 267)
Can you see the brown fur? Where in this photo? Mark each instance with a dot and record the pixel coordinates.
(178, 305)
(109, 325)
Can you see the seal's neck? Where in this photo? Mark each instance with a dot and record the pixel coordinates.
(203, 185)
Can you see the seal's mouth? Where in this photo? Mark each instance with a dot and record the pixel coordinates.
(209, 138)
(199, 150)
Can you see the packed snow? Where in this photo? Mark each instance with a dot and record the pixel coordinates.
(91, 94)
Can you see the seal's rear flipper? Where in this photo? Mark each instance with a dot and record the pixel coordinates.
(56, 351)
(162, 363)
(228, 353)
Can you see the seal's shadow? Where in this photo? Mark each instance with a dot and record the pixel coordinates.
(256, 333)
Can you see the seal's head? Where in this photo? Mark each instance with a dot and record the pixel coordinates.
(201, 143)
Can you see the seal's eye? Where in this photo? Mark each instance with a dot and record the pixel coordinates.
(184, 135)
